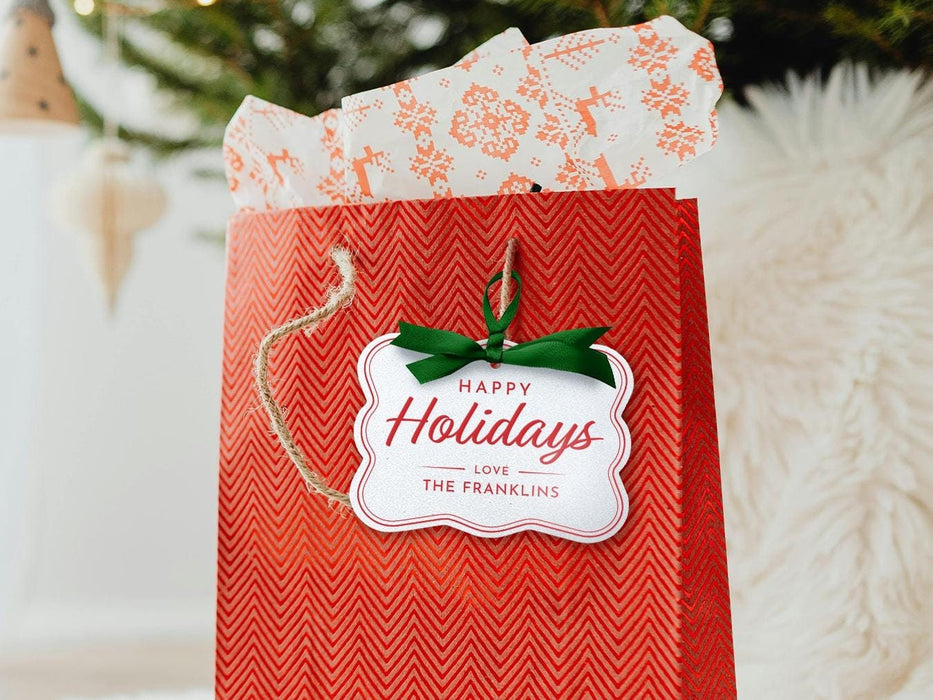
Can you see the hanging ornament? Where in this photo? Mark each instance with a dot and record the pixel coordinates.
(34, 95)
(108, 199)
(110, 196)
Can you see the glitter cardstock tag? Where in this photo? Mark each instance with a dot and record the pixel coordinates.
(491, 450)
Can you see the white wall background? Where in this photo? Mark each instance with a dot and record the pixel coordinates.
(108, 425)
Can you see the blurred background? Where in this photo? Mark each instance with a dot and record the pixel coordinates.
(111, 327)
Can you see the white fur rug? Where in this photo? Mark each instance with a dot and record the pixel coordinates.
(817, 215)
(817, 218)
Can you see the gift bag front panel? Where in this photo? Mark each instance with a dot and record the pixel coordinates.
(312, 603)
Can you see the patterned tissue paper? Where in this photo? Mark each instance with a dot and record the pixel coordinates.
(276, 158)
(598, 109)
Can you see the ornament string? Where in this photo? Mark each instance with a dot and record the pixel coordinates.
(337, 298)
(112, 29)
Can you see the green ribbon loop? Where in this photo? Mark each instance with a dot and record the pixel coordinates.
(497, 326)
(567, 351)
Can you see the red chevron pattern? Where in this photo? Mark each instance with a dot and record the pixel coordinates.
(311, 603)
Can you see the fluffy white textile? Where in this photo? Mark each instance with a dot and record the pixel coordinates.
(817, 218)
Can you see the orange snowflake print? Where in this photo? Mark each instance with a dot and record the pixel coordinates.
(234, 164)
(489, 123)
(704, 64)
(332, 187)
(355, 111)
(333, 139)
(467, 62)
(665, 97)
(415, 117)
(233, 158)
(575, 50)
(569, 174)
(277, 117)
(680, 139)
(652, 52)
(286, 159)
(532, 87)
(516, 184)
(638, 175)
(552, 132)
(432, 164)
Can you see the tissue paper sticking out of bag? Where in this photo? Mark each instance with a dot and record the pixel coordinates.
(598, 109)
(276, 158)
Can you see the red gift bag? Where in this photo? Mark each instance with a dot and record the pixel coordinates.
(314, 604)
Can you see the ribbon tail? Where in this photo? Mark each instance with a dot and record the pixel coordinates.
(437, 366)
(434, 341)
(559, 356)
(579, 337)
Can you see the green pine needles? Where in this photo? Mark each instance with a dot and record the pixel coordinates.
(307, 54)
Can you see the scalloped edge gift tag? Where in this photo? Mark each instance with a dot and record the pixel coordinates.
(491, 450)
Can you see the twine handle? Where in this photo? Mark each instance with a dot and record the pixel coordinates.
(337, 298)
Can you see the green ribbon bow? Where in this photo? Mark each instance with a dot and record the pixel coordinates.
(567, 351)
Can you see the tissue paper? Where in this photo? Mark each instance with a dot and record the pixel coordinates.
(276, 158)
(599, 109)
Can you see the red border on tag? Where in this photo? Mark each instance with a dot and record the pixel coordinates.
(617, 463)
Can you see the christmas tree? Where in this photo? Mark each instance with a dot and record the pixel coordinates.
(307, 54)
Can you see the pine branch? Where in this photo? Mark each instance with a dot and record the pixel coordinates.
(601, 12)
(307, 54)
(846, 22)
(699, 21)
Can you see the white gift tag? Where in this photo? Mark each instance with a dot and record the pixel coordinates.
(491, 450)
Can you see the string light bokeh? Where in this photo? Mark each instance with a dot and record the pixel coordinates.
(88, 7)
